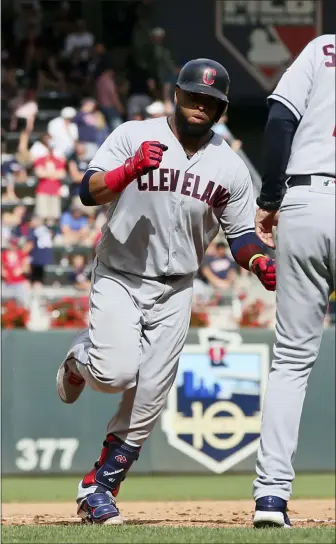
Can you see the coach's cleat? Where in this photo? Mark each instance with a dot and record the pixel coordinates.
(68, 382)
(271, 511)
(99, 507)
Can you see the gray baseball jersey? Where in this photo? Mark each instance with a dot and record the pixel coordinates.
(163, 222)
(307, 88)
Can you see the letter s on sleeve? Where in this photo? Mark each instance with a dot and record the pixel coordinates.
(329, 51)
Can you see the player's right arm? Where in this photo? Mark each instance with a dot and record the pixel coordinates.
(114, 167)
(288, 103)
(237, 221)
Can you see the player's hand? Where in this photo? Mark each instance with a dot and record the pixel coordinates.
(265, 269)
(148, 157)
(265, 220)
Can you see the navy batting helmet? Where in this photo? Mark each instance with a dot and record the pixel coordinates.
(205, 76)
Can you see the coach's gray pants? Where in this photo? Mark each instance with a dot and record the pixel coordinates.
(305, 279)
(137, 329)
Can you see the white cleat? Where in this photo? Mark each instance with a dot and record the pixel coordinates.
(68, 383)
(114, 521)
(270, 519)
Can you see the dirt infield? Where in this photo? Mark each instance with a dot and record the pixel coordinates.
(303, 513)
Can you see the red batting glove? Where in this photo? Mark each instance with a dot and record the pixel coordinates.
(265, 269)
(148, 157)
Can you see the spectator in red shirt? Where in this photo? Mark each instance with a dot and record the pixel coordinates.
(15, 267)
(50, 171)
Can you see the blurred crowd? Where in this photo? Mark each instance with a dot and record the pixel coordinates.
(55, 55)
(62, 93)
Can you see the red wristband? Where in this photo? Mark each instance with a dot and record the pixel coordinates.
(118, 179)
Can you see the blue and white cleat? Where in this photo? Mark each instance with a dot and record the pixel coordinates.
(271, 511)
(99, 508)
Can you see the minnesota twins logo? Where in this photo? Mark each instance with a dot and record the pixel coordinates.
(209, 76)
(213, 412)
(217, 351)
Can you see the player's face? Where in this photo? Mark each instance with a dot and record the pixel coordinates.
(195, 112)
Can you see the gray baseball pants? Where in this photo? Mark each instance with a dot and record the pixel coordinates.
(305, 279)
(137, 329)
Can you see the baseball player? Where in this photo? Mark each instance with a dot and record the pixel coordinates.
(299, 155)
(171, 183)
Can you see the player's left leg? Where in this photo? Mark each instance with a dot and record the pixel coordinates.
(306, 232)
(164, 337)
(164, 334)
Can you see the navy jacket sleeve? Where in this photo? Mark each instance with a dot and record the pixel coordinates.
(278, 137)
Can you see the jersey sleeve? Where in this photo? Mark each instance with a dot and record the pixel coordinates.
(238, 216)
(295, 86)
(113, 152)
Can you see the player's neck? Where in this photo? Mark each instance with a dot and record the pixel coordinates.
(190, 144)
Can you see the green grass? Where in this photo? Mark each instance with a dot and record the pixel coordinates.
(138, 534)
(164, 488)
(161, 488)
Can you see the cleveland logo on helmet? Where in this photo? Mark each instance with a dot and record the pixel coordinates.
(209, 76)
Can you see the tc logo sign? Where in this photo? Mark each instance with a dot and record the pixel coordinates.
(209, 75)
(213, 411)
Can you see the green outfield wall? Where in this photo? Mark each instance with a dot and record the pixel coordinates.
(211, 421)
